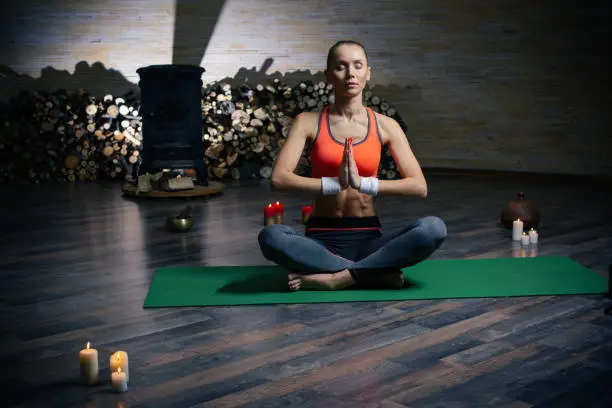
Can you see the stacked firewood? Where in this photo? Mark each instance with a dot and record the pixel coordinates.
(245, 127)
(68, 137)
(113, 129)
(80, 137)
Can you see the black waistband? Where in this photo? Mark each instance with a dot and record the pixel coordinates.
(343, 222)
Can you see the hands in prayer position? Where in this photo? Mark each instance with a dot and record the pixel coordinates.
(349, 174)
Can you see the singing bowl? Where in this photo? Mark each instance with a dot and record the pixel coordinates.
(179, 224)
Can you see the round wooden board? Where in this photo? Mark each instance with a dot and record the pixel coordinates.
(212, 188)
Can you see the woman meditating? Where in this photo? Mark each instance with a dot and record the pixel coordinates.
(343, 245)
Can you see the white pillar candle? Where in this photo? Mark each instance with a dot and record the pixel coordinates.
(119, 381)
(119, 359)
(525, 239)
(88, 358)
(533, 236)
(517, 229)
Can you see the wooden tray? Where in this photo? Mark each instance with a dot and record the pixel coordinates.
(212, 188)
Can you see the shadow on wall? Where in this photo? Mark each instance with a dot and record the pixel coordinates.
(95, 79)
(98, 80)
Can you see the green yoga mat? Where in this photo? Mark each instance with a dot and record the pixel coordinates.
(431, 279)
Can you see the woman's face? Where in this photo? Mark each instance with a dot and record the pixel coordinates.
(348, 71)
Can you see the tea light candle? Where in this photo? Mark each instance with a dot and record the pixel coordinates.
(119, 381)
(533, 236)
(517, 229)
(119, 360)
(525, 239)
(88, 358)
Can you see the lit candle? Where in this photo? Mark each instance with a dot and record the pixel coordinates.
(279, 207)
(119, 360)
(525, 239)
(119, 381)
(279, 213)
(517, 229)
(533, 236)
(269, 212)
(88, 358)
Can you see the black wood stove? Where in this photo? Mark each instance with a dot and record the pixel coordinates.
(171, 112)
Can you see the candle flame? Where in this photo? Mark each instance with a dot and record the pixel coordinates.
(87, 346)
(119, 369)
(277, 203)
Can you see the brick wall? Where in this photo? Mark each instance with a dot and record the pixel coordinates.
(508, 85)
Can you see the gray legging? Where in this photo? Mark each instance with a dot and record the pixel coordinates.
(357, 244)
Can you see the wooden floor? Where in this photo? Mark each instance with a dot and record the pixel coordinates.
(77, 262)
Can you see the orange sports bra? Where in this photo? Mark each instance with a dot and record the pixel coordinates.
(326, 152)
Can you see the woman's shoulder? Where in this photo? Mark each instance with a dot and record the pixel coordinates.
(307, 122)
(387, 126)
(308, 116)
(384, 119)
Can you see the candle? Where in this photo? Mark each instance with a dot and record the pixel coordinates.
(533, 236)
(524, 239)
(517, 229)
(269, 212)
(279, 207)
(119, 381)
(119, 360)
(306, 210)
(279, 213)
(88, 358)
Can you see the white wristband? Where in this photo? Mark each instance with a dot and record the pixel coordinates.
(369, 185)
(330, 186)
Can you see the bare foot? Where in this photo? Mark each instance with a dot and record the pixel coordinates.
(321, 281)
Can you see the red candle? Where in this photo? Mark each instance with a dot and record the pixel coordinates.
(306, 210)
(279, 208)
(269, 211)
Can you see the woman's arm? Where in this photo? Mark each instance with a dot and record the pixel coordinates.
(413, 181)
(283, 174)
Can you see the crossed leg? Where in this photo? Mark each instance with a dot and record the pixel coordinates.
(316, 267)
(407, 247)
(313, 266)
